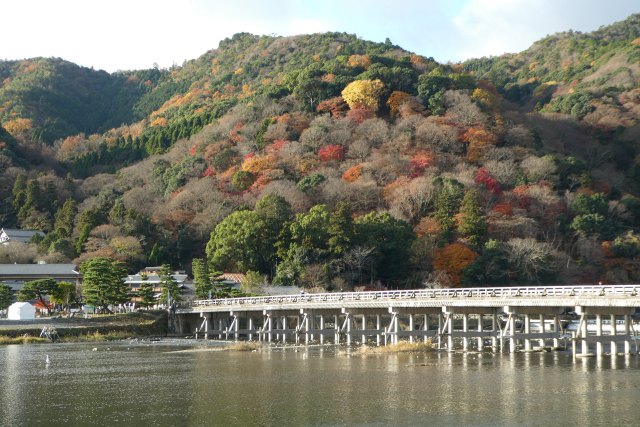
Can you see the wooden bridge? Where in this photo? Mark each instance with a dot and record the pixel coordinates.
(505, 319)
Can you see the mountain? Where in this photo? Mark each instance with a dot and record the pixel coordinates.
(572, 72)
(329, 161)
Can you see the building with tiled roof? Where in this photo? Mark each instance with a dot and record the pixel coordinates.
(8, 235)
(16, 275)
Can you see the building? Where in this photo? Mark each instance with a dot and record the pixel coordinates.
(150, 275)
(16, 275)
(8, 235)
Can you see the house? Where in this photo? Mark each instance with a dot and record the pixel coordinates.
(21, 311)
(150, 275)
(9, 235)
(233, 280)
(16, 275)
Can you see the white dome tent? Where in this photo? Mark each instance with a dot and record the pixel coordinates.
(21, 311)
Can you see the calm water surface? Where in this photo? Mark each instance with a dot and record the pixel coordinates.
(159, 384)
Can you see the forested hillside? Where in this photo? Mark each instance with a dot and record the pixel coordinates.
(331, 162)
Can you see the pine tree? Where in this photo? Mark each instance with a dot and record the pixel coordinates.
(201, 278)
(146, 294)
(102, 283)
(170, 291)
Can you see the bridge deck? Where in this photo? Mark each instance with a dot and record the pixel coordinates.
(539, 296)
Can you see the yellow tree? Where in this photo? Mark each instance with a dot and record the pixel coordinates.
(363, 94)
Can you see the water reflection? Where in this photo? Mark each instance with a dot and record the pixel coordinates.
(157, 385)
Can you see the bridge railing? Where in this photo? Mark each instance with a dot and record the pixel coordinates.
(504, 292)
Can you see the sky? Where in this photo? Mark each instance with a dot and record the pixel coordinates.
(136, 34)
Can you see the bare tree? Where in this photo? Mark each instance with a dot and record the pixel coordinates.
(532, 259)
(355, 260)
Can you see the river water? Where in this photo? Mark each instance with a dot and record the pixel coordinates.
(161, 384)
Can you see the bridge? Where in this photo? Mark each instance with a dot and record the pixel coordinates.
(599, 318)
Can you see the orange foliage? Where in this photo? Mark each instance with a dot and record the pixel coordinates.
(71, 146)
(427, 226)
(636, 42)
(421, 161)
(454, 259)
(260, 182)
(479, 139)
(258, 164)
(328, 78)
(503, 209)
(396, 99)
(417, 60)
(336, 106)
(359, 61)
(17, 126)
(159, 121)
(353, 173)
(331, 152)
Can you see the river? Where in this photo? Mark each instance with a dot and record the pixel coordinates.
(169, 384)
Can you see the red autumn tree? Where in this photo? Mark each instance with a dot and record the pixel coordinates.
(484, 177)
(331, 152)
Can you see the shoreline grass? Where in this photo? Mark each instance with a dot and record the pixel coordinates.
(5, 340)
(401, 347)
(244, 346)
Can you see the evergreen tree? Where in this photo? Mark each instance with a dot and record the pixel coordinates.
(201, 278)
(146, 294)
(170, 291)
(37, 289)
(447, 204)
(6, 296)
(341, 230)
(472, 223)
(103, 282)
(64, 219)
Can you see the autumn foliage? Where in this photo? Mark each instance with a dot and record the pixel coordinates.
(352, 174)
(454, 259)
(334, 106)
(479, 139)
(421, 161)
(363, 94)
(484, 177)
(331, 152)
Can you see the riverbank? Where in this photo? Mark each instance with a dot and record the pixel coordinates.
(95, 328)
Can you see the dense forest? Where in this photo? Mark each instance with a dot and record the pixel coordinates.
(330, 162)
